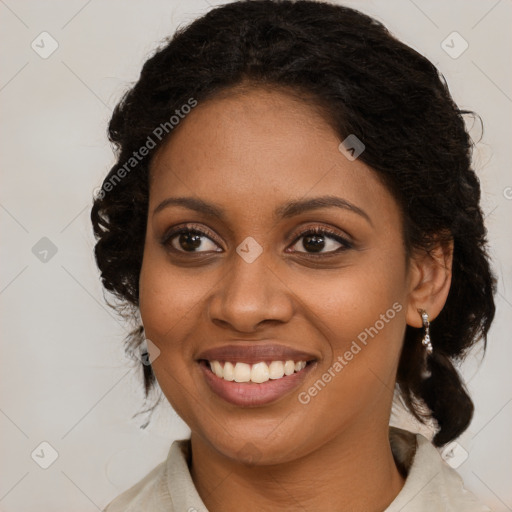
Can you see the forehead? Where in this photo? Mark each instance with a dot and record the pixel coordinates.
(253, 150)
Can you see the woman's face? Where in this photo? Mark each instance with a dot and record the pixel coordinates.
(247, 286)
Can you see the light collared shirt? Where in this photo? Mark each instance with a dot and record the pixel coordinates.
(431, 484)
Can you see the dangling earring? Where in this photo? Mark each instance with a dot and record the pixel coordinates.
(426, 373)
(426, 331)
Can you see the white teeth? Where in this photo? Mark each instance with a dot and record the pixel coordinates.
(217, 368)
(276, 369)
(289, 367)
(300, 365)
(242, 372)
(229, 372)
(259, 372)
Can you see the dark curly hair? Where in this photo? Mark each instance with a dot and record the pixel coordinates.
(365, 82)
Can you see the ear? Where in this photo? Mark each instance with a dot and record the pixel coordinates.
(430, 277)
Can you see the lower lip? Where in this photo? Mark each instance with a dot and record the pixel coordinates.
(251, 394)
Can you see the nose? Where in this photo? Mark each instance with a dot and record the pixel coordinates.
(250, 294)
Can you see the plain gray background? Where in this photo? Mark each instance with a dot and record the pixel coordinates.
(65, 378)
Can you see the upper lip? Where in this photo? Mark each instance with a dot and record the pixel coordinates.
(253, 353)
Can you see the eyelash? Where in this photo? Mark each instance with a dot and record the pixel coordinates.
(346, 244)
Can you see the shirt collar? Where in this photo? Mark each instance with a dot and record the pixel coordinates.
(429, 483)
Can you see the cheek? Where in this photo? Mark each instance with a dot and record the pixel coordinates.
(352, 299)
(360, 311)
(168, 296)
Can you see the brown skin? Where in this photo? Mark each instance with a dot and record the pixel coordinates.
(250, 152)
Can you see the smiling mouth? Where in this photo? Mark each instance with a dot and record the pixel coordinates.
(256, 373)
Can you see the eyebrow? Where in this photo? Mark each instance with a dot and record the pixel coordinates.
(284, 211)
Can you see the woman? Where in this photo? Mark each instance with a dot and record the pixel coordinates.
(294, 217)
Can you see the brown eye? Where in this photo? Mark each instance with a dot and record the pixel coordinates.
(188, 240)
(314, 241)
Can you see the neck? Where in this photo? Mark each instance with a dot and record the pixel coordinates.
(354, 471)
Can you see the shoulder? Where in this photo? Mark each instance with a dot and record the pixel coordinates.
(167, 488)
(150, 493)
(144, 495)
(431, 484)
